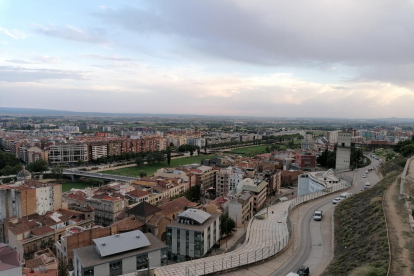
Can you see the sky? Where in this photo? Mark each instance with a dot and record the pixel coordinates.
(276, 58)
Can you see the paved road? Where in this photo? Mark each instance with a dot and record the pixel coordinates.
(102, 176)
(315, 247)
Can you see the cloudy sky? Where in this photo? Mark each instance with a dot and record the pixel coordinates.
(347, 58)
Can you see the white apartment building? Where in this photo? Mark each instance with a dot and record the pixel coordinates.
(68, 128)
(68, 153)
(98, 151)
(227, 180)
(332, 136)
(192, 235)
(200, 142)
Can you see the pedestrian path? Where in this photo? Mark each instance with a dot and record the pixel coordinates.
(264, 238)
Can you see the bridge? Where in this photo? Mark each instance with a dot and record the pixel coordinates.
(103, 176)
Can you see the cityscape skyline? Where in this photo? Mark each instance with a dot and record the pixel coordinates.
(233, 58)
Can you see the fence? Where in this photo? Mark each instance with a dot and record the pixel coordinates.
(234, 260)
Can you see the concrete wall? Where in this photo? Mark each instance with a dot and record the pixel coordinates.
(101, 270)
(129, 265)
(154, 258)
(17, 271)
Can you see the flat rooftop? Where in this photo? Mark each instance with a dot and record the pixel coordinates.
(89, 257)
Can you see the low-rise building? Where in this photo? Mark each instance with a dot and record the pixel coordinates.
(9, 261)
(119, 254)
(33, 233)
(192, 235)
(241, 208)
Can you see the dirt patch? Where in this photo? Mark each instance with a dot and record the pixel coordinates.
(401, 238)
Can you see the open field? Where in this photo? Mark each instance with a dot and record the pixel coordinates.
(255, 149)
(151, 169)
(68, 184)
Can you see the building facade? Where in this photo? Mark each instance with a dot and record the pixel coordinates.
(192, 235)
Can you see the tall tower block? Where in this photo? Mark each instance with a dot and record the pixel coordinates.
(343, 151)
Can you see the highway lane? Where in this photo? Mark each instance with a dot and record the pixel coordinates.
(315, 247)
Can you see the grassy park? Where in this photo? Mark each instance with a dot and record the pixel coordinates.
(254, 150)
(151, 169)
(67, 185)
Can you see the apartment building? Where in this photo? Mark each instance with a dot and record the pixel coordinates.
(68, 153)
(35, 232)
(97, 149)
(32, 197)
(35, 153)
(241, 208)
(107, 205)
(192, 235)
(205, 176)
(227, 180)
(130, 252)
(76, 236)
(258, 188)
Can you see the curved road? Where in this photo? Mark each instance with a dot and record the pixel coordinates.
(315, 236)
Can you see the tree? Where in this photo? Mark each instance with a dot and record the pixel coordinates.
(57, 172)
(227, 225)
(142, 173)
(159, 156)
(38, 166)
(194, 193)
(139, 161)
(198, 150)
(168, 156)
(150, 159)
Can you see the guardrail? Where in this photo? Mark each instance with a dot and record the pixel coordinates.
(230, 261)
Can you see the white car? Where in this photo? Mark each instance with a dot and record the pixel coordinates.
(336, 200)
(367, 184)
(364, 176)
(317, 215)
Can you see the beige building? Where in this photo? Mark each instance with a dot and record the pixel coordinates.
(258, 188)
(68, 153)
(241, 208)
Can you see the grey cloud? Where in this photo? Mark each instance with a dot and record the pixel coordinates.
(373, 37)
(273, 32)
(95, 35)
(20, 74)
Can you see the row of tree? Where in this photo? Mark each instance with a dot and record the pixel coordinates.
(405, 148)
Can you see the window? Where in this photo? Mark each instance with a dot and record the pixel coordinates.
(142, 261)
(88, 272)
(115, 268)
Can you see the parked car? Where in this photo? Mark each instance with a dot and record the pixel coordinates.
(317, 215)
(336, 200)
(345, 195)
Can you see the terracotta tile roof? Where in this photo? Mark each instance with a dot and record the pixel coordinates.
(76, 197)
(138, 193)
(34, 263)
(128, 224)
(174, 206)
(155, 219)
(144, 209)
(42, 230)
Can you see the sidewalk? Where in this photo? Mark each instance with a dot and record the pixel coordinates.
(227, 243)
